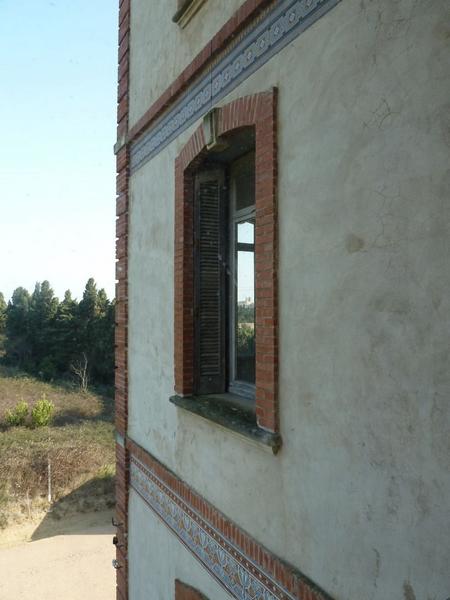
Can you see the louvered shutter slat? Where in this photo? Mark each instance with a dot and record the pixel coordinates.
(210, 283)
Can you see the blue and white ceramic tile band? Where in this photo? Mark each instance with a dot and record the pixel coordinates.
(279, 27)
(235, 572)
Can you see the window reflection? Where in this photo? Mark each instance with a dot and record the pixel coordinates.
(245, 302)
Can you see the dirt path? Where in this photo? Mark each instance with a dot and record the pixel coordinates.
(70, 561)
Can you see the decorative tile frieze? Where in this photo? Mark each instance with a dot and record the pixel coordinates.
(239, 575)
(280, 26)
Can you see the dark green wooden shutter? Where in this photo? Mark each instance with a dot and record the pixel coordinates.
(210, 282)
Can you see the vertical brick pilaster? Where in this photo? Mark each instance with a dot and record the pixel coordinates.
(266, 262)
(122, 169)
(121, 519)
(121, 333)
(258, 111)
(123, 71)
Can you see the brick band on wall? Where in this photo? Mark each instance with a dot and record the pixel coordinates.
(260, 112)
(248, 11)
(121, 331)
(290, 583)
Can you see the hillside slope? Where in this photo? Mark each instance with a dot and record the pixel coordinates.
(77, 449)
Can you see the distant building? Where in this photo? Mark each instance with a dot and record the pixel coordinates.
(283, 300)
(246, 302)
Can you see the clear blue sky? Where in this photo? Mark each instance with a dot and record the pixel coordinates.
(57, 169)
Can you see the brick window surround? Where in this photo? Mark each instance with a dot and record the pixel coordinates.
(186, 592)
(260, 112)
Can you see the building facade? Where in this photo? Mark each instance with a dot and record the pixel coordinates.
(283, 305)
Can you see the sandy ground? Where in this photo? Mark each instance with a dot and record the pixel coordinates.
(68, 560)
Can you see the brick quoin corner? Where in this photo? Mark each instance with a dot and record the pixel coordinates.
(121, 332)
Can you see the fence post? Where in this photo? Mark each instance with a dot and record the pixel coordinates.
(49, 477)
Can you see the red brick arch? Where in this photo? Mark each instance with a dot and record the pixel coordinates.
(260, 112)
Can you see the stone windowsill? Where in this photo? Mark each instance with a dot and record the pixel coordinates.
(230, 412)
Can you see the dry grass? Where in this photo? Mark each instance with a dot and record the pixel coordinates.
(71, 405)
(79, 445)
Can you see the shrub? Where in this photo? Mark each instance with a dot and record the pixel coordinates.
(18, 415)
(245, 339)
(42, 412)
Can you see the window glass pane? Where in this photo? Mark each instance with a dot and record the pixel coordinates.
(245, 302)
(243, 175)
(246, 232)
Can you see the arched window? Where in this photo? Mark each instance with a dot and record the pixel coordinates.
(226, 302)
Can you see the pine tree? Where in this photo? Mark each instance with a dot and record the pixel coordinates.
(88, 305)
(65, 339)
(102, 348)
(3, 306)
(43, 309)
(87, 312)
(48, 337)
(17, 345)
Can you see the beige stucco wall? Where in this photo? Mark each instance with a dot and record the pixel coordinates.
(359, 496)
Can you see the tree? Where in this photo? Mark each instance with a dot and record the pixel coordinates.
(80, 370)
(102, 348)
(18, 347)
(43, 309)
(88, 305)
(50, 338)
(3, 307)
(65, 342)
(96, 332)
